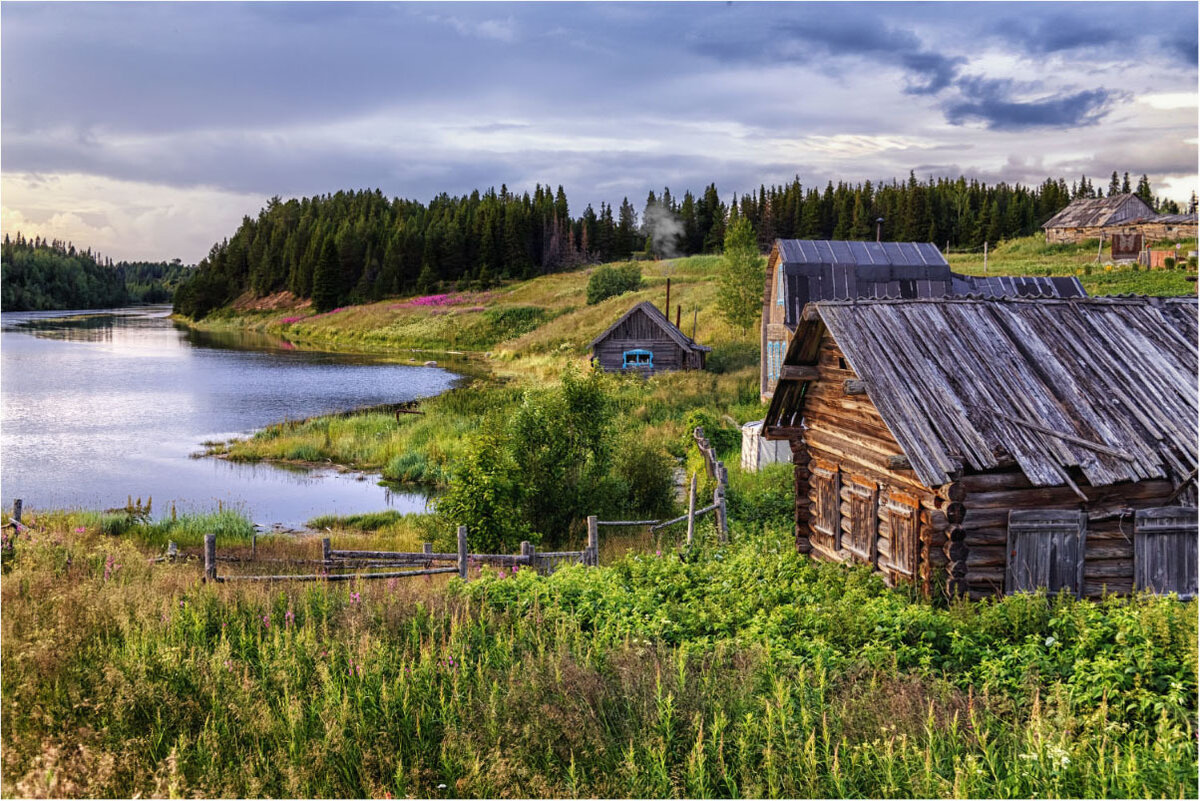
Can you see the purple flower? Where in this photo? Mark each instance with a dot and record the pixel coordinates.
(266, 621)
(515, 568)
(290, 617)
(658, 553)
(80, 529)
(354, 596)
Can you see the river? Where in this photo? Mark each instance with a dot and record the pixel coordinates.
(100, 406)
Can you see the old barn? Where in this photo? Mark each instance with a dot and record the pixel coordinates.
(991, 446)
(800, 271)
(1094, 217)
(643, 340)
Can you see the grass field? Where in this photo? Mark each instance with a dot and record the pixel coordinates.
(744, 671)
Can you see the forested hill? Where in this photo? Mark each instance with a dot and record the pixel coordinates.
(38, 274)
(352, 247)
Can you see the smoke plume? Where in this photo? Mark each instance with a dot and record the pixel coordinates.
(663, 229)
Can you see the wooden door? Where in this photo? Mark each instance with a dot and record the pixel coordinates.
(1164, 550)
(1045, 550)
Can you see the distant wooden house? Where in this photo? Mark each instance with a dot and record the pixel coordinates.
(800, 271)
(1095, 217)
(645, 341)
(990, 446)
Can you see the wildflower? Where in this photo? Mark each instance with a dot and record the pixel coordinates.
(500, 574)
(658, 553)
(354, 596)
(289, 617)
(228, 666)
(392, 584)
(515, 568)
(181, 604)
(266, 621)
(80, 529)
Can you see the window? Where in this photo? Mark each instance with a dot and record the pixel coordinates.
(1164, 550)
(826, 484)
(779, 291)
(637, 358)
(1045, 549)
(863, 496)
(774, 360)
(903, 516)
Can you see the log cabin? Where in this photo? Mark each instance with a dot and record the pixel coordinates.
(800, 271)
(644, 341)
(985, 446)
(1094, 217)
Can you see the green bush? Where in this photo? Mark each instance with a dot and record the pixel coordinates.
(1169, 262)
(647, 475)
(609, 281)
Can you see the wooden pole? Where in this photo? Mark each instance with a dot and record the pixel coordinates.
(722, 524)
(427, 547)
(253, 543)
(691, 511)
(695, 314)
(210, 557)
(678, 314)
(462, 552)
(593, 543)
(985, 271)
(326, 552)
(667, 308)
(16, 513)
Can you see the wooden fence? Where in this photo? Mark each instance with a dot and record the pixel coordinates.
(716, 470)
(415, 563)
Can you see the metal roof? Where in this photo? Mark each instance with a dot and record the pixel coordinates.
(845, 270)
(1105, 385)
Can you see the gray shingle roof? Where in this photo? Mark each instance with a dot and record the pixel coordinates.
(964, 382)
(1091, 212)
(682, 339)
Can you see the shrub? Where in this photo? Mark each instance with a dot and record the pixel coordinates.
(1169, 262)
(611, 280)
(648, 477)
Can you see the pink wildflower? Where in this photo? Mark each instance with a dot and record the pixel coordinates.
(80, 529)
(354, 596)
(266, 621)
(290, 617)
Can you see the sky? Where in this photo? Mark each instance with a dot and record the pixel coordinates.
(148, 130)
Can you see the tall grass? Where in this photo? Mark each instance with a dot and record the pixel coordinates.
(745, 671)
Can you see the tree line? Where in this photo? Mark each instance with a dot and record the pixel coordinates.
(43, 274)
(359, 246)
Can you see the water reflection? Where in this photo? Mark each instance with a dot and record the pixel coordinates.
(98, 406)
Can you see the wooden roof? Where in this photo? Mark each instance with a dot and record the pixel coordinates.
(1105, 385)
(1092, 212)
(656, 316)
(815, 270)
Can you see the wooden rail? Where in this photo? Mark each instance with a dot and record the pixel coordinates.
(423, 560)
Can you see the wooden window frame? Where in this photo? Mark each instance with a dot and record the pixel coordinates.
(864, 518)
(637, 352)
(1157, 522)
(904, 518)
(827, 479)
(1045, 524)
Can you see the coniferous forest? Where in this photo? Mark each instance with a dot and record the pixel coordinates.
(40, 274)
(351, 247)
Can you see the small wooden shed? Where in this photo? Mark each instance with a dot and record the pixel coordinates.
(988, 446)
(645, 341)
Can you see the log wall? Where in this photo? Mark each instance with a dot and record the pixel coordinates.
(885, 516)
(976, 549)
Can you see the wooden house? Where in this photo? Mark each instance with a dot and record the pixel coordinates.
(800, 271)
(989, 446)
(645, 341)
(1095, 217)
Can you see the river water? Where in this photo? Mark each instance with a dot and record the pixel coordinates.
(98, 407)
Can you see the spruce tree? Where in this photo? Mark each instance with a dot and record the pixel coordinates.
(326, 278)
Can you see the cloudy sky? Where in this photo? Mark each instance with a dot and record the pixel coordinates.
(148, 130)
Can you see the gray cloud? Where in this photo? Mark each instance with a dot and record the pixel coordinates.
(991, 102)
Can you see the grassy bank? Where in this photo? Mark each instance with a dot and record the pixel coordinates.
(747, 671)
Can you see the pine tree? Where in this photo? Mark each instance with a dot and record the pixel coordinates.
(1125, 184)
(326, 278)
(1114, 185)
(1144, 192)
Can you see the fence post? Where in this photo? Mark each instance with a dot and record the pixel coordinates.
(16, 514)
(691, 511)
(326, 552)
(593, 544)
(210, 557)
(253, 544)
(462, 552)
(427, 547)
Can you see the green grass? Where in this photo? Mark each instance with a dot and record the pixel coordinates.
(1032, 255)
(746, 671)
